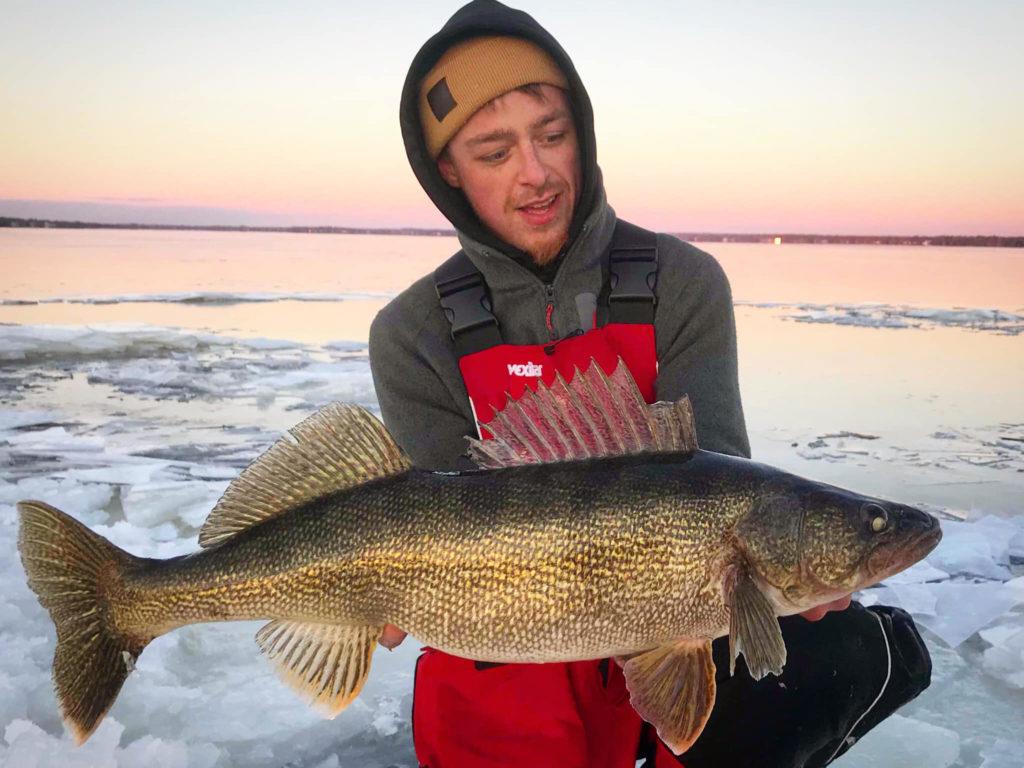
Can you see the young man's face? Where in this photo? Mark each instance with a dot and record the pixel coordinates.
(517, 162)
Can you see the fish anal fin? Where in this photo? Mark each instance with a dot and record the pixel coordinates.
(326, 664)
(338, 447)
(592, 415)
(754, 629)
(673, 688)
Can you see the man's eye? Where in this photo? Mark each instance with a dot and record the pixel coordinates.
(554, 138)
(495, 157)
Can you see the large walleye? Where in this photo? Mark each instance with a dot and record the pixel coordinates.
(597, 529)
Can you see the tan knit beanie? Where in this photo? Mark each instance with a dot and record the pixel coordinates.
(470, 74)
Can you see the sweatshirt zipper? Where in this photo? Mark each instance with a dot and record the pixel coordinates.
(549, 312)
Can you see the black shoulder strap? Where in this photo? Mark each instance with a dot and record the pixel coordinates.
(626, 297)
(628, 293)
(467, 305)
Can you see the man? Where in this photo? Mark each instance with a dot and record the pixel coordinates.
(499, 131)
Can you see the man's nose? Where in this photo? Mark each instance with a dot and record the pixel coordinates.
(532, 170)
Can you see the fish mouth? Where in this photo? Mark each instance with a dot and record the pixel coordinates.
(889, 559)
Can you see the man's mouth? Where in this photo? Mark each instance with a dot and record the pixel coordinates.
(540, 211)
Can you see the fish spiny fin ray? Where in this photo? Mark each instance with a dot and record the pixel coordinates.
(338, 447)
(591, 415)
(326, 664)
(754, 630)
(73, 570)
(673, 688)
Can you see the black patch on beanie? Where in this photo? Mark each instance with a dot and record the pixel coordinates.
(440, 99)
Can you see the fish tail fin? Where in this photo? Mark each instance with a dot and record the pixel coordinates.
(73, 570)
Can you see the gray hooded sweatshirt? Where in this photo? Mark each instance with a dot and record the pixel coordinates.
(412, 357)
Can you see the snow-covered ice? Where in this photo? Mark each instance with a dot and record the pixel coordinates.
(136, 430)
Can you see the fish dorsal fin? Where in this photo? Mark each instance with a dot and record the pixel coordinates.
(589, 416)
(338, 447)
(326, 664)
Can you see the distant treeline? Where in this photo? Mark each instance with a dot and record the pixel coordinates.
(6, 221)
(987, 241)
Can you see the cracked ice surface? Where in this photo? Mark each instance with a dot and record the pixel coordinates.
(901, 316)
(136, 431)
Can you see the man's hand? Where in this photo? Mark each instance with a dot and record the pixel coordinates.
(818, 612)
(391, 637)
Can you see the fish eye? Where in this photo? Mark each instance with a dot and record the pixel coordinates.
(878, 516)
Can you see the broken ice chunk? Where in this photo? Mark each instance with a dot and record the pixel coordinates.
(962, 609)
(918, 573)
(85, 501)
(1003, 754)
(12, 418)
(149, 504)
(973, 548)
(118, 474)
(918, 599)
(1004, 660)
(53, 441)
(903, 741)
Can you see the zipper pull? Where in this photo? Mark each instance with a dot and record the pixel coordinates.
(550, 348)
(549, 290)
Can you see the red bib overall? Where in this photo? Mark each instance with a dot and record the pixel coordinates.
(469, 714)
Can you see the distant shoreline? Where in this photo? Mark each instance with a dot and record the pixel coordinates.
(982, 241)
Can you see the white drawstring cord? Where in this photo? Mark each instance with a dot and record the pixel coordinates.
(888, 674)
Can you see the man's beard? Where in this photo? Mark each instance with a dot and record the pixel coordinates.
(547, 252)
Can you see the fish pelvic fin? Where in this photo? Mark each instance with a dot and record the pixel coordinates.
(754, 629)
(326, 664)
(591, 415)
(72, 570)
(338, 447)
(673, 688)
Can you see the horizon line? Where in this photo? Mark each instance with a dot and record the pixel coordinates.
(770, 237)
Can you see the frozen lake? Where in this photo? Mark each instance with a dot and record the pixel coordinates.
(140, 371)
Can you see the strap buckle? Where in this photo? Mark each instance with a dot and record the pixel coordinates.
(466, 303)
(633, 273)
(463, 295)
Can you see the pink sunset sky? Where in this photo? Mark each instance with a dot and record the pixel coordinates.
(806, 116)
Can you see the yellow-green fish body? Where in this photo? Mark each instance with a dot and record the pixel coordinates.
(332, 534)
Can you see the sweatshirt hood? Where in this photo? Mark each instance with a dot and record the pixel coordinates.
(489, 17)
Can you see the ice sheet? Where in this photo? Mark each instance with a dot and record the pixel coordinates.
(136, 430)
(34, 342)
(903, 742)
(901, 316)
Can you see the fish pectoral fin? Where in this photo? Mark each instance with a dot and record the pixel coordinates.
(673, 688)
(326, 664)
(754, 630)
